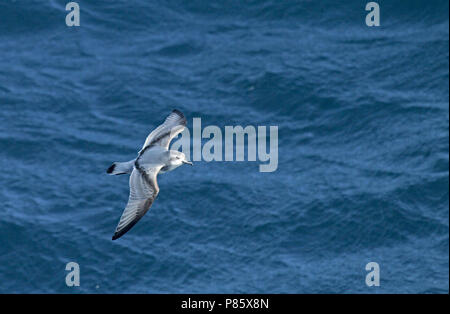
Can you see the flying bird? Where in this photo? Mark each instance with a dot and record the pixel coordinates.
(154, 158)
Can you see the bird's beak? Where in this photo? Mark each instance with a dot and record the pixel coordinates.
(187, 162)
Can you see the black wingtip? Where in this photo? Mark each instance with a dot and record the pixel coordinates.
(124, 230)
(118, 234)
(181, 115)
(178, 112)
(111, 169)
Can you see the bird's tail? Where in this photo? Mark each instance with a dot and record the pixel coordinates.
(121, 168)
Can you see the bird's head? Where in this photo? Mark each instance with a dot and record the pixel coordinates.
(178, 158)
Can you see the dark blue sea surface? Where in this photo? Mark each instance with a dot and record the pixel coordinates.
(363, 172)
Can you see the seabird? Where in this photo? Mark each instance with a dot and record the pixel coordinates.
(154, 158)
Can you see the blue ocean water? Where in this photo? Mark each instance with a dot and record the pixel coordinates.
(363, 172)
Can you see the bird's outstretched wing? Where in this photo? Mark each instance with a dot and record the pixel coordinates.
(143, 191)
(163, 134)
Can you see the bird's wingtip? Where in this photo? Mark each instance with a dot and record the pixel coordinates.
(183, 120)
(178, 112)
(111, 168)
(118, 234)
